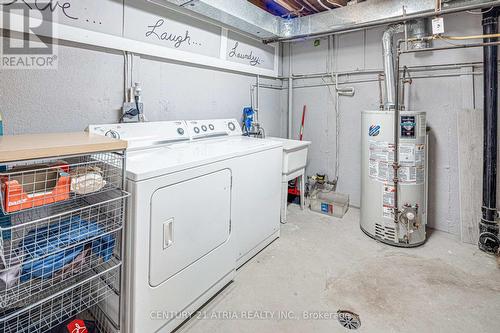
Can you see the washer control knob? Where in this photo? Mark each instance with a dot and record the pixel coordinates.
(204, 128)
(112, 134)
(231, 126)
(212, 127)
(180, 131)
(196, 130)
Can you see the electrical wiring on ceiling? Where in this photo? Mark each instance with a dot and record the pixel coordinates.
(285, 5)
(334, 3)
(296, 8)
(314, 9)
(301, 10)
(323, 5)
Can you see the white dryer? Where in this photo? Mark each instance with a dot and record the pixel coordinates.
(201, 205)
(256, 189)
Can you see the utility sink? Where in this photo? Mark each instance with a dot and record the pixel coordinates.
(294, 154)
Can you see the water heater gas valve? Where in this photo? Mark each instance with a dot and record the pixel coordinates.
(408, 216)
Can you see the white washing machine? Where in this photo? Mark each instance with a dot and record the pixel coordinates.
(204, 200)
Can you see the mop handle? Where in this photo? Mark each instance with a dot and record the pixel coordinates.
(302, 125)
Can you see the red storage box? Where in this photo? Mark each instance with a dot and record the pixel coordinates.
(34, 186)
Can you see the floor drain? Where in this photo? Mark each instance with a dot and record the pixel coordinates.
(348, 319)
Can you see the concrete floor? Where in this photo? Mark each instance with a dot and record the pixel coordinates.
(322, 264)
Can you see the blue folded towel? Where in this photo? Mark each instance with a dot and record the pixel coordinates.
(38, 243)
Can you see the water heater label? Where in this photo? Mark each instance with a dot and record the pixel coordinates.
(388, 213)
(373, 168)
(381, 151)
(383, 168)
(389, 195)
(420, 175)
(407, 174)
(381, 158)
(407, 154)
(408, 126)
(412, 175)
(420, 155)
(411, 163)
(385, 171)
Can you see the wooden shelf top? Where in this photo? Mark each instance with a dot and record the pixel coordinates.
(33, 146)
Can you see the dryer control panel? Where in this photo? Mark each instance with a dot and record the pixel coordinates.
(200, 129)
(144, 135)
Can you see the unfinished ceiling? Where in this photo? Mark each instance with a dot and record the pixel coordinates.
(265, 20)
(294, 8)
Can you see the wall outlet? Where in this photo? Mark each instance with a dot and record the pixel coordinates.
(130, 107)
(438, 26)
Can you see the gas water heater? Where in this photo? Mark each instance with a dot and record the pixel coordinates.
(394, 209)
(394, 162)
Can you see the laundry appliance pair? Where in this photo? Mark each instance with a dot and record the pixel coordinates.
(205, 199)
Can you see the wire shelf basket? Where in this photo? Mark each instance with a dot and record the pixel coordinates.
(80, 295)
(103, 323)
(29, 185)
(57, 244)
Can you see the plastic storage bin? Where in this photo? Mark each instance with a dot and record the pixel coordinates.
(330, 203)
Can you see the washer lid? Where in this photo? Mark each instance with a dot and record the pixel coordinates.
(150, 163)
(144, 135)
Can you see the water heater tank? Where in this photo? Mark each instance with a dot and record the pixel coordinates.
(404, 226)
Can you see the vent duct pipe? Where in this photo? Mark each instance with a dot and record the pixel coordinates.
(389, 69)
(418, 29)
(488, 227)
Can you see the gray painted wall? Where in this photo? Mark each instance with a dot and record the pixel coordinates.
(442, 93)
(88, 88)
(173, 91)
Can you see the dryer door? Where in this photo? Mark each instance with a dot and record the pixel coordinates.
(188, 221)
